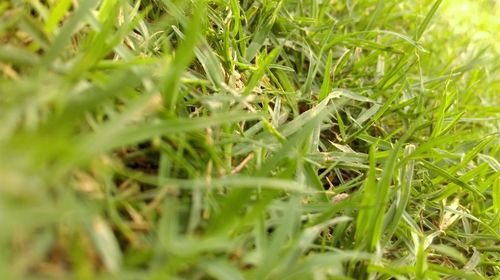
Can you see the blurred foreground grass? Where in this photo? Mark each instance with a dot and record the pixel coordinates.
(249, 139)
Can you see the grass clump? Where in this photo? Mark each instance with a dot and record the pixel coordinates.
(248, 140)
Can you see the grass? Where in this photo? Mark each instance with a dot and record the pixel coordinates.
(163, 139)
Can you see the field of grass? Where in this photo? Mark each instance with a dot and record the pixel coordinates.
(225, 139)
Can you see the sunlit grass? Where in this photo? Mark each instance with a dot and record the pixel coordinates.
(477, 19)
(249, 139)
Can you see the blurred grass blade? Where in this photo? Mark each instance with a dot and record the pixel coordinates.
(445, 174)
(183, 57)
(16, 56)
(261, 70)
(107, 245)
(69, 28)
(403, 195)
(425, 23)
(132, 135)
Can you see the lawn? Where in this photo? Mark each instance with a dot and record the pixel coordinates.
(292, 139)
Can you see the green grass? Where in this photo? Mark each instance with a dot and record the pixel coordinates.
(292, 139)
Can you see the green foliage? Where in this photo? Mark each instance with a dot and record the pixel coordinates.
(268, 139)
